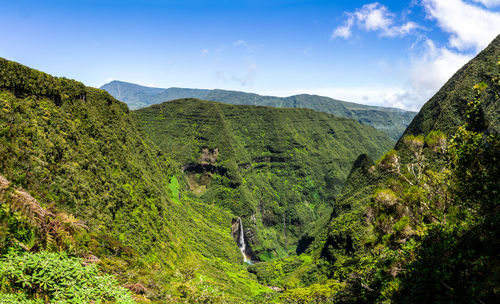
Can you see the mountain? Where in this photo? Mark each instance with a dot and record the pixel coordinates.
(277, 169)
(78, 176)
(166, 203)
(157, 200)
(420, 225)
(390, 120)
(446, 110)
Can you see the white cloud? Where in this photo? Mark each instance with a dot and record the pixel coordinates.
(243, 77)
(402, 30)
(344, 31)
(388, 96)
(374, 17)
(428, 69)
(204, 52)
(240, 43)
(489, 3)
(469, 26)
(432, 67)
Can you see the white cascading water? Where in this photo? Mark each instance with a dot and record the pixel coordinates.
(242, 244)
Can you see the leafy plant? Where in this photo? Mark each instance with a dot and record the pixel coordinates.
(57, 278)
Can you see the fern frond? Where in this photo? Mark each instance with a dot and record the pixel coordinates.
(55, 230)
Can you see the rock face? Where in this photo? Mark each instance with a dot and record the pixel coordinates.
(209, 156)
(200, 174)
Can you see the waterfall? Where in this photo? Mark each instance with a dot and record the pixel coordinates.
(242, 244)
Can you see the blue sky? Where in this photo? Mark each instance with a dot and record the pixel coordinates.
(392, 53)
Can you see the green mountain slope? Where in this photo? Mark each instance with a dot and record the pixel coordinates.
(421, 224)
(278, 169)
(445, 111)
(390, 120)
(78, 151)
(155, 197)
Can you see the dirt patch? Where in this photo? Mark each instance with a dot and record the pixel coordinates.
(198, 182)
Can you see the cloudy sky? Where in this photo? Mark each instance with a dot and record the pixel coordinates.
(392, 53)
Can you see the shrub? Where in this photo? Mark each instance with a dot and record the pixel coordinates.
(56, 278)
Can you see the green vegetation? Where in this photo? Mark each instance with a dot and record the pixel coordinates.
(421, 225)
(445, 111)
(389, 120)
(56, 278)
(74, 155)
(278, 169)
(100, 204)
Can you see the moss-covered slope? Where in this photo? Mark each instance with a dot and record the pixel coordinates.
(413, 227)
(78, 150)
(279, 169)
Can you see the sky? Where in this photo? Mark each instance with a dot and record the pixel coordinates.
(389, 53)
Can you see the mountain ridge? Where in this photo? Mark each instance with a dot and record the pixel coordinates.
(393, 121)
(445, 111)
(78, 150)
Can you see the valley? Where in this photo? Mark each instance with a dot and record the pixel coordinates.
(277, 169)
(223, 199)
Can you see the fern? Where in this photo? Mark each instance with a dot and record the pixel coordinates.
(54, 230)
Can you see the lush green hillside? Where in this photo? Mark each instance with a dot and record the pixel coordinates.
(420, 225)
(279, 169)
(71, 151)
(390, 120)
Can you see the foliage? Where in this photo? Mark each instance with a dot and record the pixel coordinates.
(31, 227)
(57, 278)
(446, 110)
(24, 81)
(417, 194)
(422, 226)
(280, 272)
(84, 158)
(448, 206)
(476, 155)
(276, 168)
(316, 293)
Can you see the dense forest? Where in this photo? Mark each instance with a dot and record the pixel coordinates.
(277, 169)
(100, 204)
